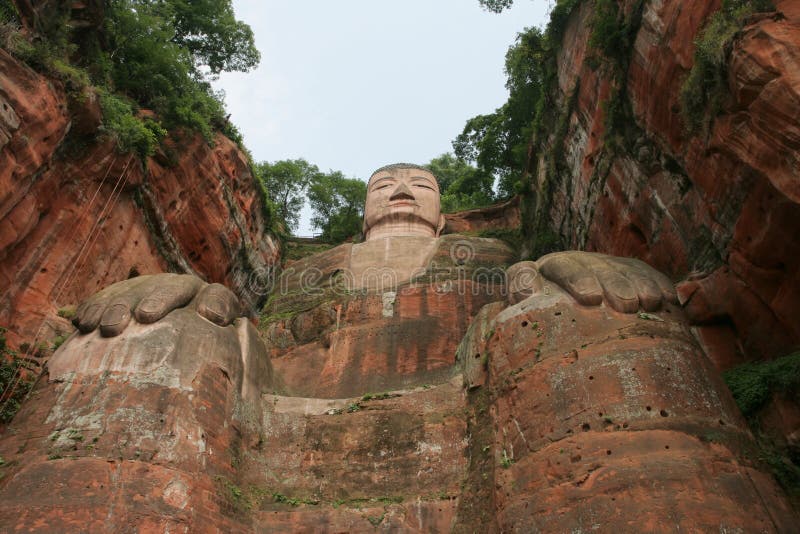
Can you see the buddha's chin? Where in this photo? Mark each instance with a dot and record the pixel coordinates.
(400, 224)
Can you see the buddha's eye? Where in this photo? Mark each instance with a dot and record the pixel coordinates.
(423, 186)
(381, 186)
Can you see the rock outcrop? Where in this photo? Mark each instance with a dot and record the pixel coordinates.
(722, 207)
(503, 216)
(587, 416)
(74, 219)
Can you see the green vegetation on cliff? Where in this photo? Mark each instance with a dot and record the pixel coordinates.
(705, 89)
(462, 185)
(15, 380)
(524, 141)
(754, 386)
(511, 141)
(337, 203)
(155, 55)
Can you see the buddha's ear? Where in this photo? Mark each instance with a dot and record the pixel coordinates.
(440, 227)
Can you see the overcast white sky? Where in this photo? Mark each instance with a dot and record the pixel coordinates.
(353, 85)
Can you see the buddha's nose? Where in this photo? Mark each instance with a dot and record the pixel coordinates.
(402, 192)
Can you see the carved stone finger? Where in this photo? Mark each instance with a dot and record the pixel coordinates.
(564, 270)
(115, 318)
(89, 317)
(171, 291)
(619, 292)
(120, 304)
(666, 287)
(649, 292)
(218, 304)
(642, 276)
(90, 312)
(523, 280)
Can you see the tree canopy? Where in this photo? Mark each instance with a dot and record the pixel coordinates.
(285, 183)
(498, 142)
(462, 185)
(496, 5)
(154, 54)
(161, 54)
(338, 205)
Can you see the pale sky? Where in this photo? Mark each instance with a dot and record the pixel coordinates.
(353, 85)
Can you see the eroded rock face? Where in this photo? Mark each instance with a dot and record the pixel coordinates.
(724, 205)
(503, 216)
(604, 418)
(141, 429)
(76, 219)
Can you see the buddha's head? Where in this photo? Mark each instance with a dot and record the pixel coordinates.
(402, 200)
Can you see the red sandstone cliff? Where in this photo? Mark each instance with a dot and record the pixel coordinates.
(76, 219)
(722, 209)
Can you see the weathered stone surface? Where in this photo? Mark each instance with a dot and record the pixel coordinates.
(572, 416)
(141, 429)
(396, 462)
(617, 420)
(411, 303)
(723, 204)
(402, 200)
(498, 217)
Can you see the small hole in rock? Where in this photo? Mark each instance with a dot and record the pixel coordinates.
(624, 425)
(524, 324)
(477, 356)
(664, 413)
(608, 453)
(722, 422)
(591, 377)
(586, 427)
(666, 446)
(558, 313)
(648, 408)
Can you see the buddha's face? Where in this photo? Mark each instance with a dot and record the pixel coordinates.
(402, 201)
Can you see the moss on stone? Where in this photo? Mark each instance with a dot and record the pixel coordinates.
(753, 384)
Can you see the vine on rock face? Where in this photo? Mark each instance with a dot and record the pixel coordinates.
(705, 89)
(14, 380)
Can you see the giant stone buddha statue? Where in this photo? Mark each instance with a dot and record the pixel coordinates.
(413, 382)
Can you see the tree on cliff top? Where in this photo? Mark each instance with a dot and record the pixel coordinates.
(285, 183)
(462, 186)
(161, 53)
(155, 54)
(338, 205)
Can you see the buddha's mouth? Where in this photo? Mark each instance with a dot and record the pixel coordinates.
(403, 202)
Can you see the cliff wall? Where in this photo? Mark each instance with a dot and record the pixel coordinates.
(719, 209)
(76, 215)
